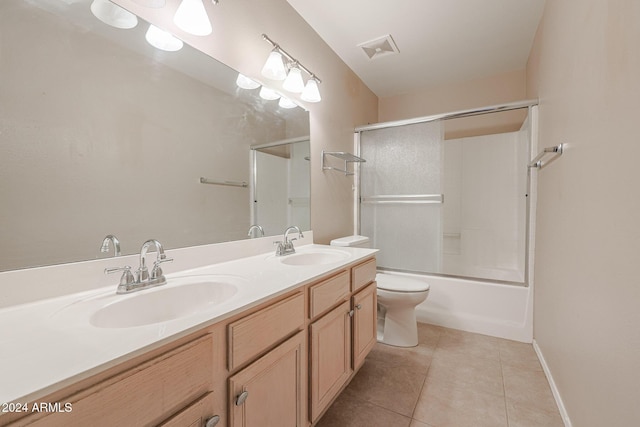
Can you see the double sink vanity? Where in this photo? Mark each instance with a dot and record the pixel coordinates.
(259, 340)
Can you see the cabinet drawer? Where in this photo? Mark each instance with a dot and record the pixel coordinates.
(195, 415)
(251, 335)
(145, 395)
(328, 293)
(363, 274)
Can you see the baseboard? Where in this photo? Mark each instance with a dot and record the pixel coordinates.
(552, 384)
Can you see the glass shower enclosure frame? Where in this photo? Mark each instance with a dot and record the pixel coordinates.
(401, 208)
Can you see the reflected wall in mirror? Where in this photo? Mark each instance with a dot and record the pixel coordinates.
(281, 185)
(101, 133)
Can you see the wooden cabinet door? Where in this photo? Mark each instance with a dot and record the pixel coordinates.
(270, 391)
(330, 357)
(364, 323)
(195, 415)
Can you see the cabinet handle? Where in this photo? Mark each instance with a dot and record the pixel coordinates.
(213, 421)
(359, 306)
(241, 398)
(351, 312)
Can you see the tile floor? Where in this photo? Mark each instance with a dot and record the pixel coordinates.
(451, 379)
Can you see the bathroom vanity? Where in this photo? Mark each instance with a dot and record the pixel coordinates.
(275, 353)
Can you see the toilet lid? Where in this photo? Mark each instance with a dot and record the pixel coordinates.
(391, 282)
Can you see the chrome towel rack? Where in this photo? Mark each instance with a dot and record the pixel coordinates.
(347, 157)
(228, 183)
(554, 151)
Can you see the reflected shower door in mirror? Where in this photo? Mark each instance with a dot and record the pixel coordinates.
(449, 197)
(102, 133)
(281, 185)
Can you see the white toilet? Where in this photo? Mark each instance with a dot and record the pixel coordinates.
(398, 297)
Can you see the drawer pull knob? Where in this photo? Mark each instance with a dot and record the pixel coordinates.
(241, 398)
(213, 421)
(351, 313)
(359, 306)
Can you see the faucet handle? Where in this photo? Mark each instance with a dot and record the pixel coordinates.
(126, 278)
(156, 272)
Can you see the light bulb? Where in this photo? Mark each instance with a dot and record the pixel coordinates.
(293, 82)
(192, 18)
(245, 82)
(311, 93)
(162, 40)
(274, 67)
(114, 15)
(268, 94)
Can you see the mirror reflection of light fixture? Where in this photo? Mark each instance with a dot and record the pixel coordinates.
(274, 67)
(286, 103)
(155, 4)
(162, 39)
(191, 17)
(268, 94)
(245, 82)
(311, 93)
(293, 82)
(114, 15)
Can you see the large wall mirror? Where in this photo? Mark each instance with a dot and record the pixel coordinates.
(101, 133)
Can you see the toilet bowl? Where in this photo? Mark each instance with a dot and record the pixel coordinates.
(398, 297)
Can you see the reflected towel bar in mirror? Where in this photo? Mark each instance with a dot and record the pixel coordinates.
(228, 183)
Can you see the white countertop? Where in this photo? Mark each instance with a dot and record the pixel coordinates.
(45, 345)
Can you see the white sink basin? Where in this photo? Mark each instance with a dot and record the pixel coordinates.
(180, 297)
(315, 257)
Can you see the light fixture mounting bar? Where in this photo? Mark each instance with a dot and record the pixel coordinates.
(277, 47)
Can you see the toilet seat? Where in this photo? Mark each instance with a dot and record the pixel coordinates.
(393, 283)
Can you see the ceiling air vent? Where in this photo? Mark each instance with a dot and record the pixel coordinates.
(381, 46)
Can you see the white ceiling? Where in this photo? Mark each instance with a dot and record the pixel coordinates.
(440, 41)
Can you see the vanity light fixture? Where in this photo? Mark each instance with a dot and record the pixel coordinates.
(114, 15)
(162, 40)
(191, 17)
(245, 82)
(279, 60)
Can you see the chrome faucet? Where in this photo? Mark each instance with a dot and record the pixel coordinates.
(286, 247)
(105, 245)
(256, 227)
(142, 278)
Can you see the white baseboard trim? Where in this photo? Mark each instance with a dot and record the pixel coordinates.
(552, 384)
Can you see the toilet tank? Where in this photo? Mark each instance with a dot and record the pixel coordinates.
(352, 241)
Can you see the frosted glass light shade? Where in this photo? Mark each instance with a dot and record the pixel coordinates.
(268, 94)
(114, 15)
(311, 93)
(191, 17)
(245, 82)
(286, 103)
(293, 82)
(274, 67)
(162, 40)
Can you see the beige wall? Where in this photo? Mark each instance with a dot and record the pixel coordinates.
(585, 69)
(347, 102)
(498, 89)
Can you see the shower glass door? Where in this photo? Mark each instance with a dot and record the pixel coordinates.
(401, 195)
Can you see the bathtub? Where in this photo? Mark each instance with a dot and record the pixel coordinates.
(499, 310)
